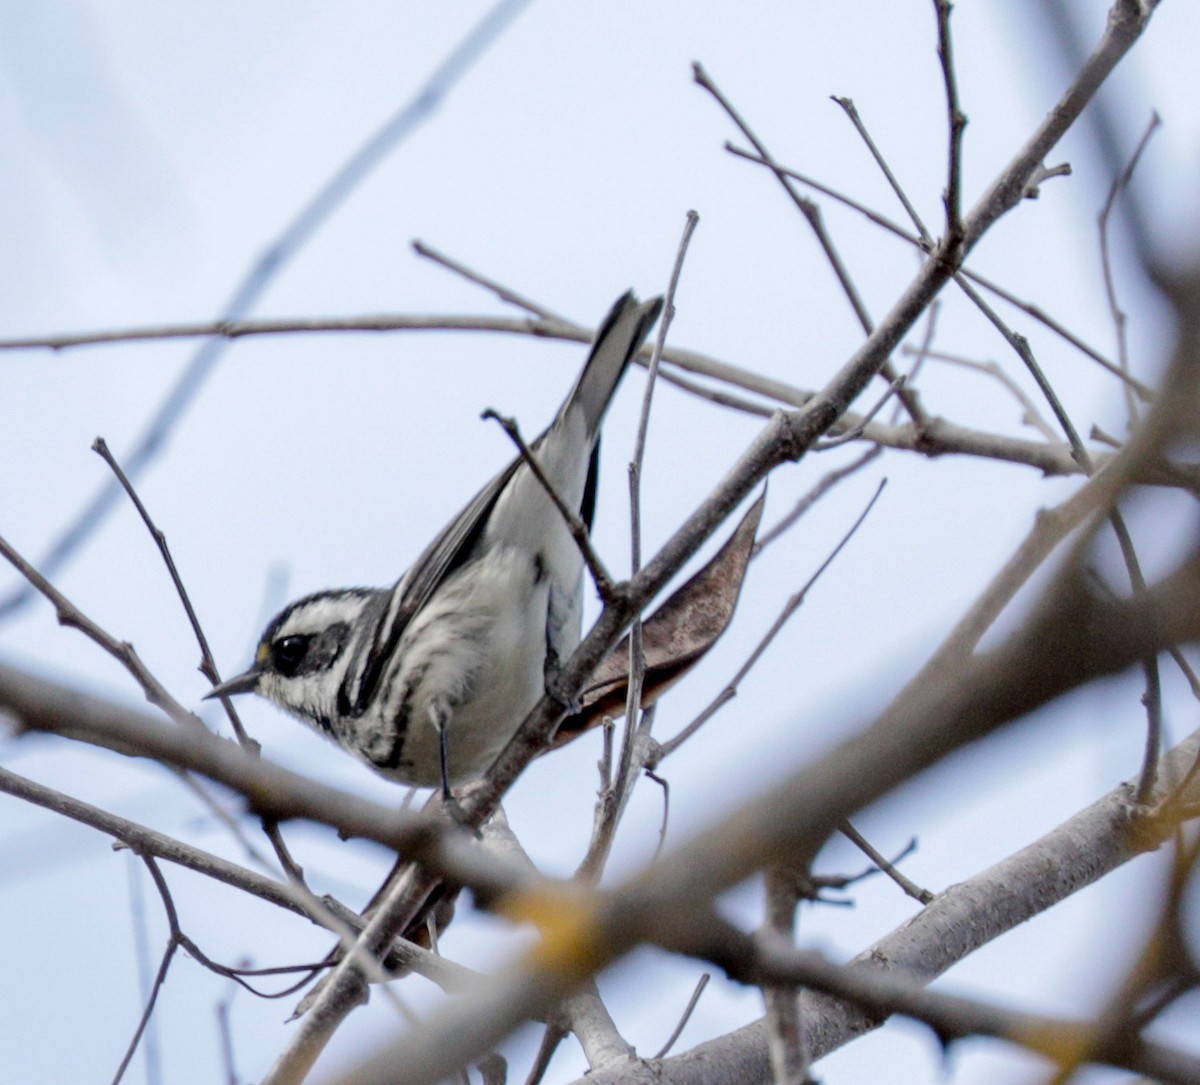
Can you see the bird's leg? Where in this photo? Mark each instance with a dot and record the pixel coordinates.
(552, 666)
(440, 714)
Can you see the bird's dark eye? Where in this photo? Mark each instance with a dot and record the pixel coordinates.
(287, 654)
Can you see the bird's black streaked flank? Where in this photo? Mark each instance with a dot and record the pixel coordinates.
(428, 680)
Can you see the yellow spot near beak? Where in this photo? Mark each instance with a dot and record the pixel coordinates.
(569, 921)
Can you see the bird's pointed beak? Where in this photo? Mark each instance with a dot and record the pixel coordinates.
(242, 683)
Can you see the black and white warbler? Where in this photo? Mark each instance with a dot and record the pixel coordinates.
(428, 680)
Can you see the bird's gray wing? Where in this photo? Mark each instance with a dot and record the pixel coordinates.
(442, 557)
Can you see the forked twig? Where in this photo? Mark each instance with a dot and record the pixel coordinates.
(1153, 696)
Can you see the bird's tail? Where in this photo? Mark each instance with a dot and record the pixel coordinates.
(621, 334)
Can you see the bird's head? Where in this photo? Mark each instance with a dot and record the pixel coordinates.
(303, 654)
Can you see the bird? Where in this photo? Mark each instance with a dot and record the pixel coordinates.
(428, 680)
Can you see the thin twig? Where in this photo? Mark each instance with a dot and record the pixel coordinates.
(235, 973)
(856, 431)
(823, 486)
(635, 736)
(938, 438)
(665, 786)
(688, 1010)
(721, 399)
(805, 206)
(789, 608)
(159, 979)
(224, 817)
(174, 941)
(511, 296)
(553, 1035)
(308, 325)
(605, 585)
(957, 121)
(1119, 184)
(137, 907)
(851, 111)
(68, 614)
(501, 291)
(880, 220)
(922, 352)
(660, 342)
(1030, 414)
(1021, 346)
(844, 881)
(208, 666)
(1153, 695)
(883, 863)
(1017, 342)
(1152, 699)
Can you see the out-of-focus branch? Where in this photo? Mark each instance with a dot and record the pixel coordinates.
(330, 914)
(1085, 848)
(33, 703)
